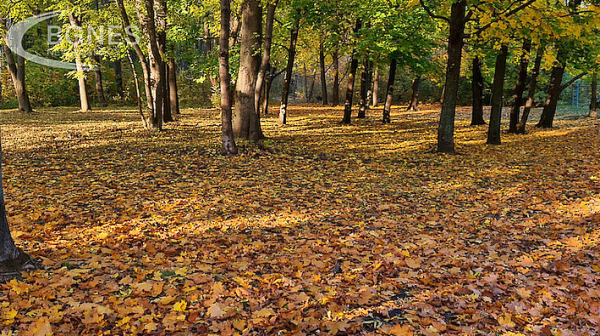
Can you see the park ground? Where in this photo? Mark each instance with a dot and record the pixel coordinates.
(321, 229)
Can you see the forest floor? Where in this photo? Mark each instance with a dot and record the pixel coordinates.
(324, 229)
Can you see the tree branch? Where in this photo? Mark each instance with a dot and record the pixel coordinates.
(573, 80)
(430, 13)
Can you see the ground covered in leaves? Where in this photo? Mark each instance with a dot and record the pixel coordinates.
(323, 229)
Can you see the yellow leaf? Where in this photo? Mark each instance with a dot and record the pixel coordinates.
(166, 300)
(9, 315)
(239, 325)
(40, 327)
(151, 326)
(180, 306)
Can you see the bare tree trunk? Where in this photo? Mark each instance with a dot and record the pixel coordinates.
(554, 90)
(138, 92)
(594, 96)
(519, 88)
(157, 68)
(288, 74)
(387, 108)
(336, 78)
(83, 96)
(8, 249)
(376, 88)
(228, 146)
(266, 56)
(246, 124)
(414, 99)
(497, 95)
(323, 74)
(477, 89)
(532, 89)
(311, 88)
(99, 85)
(118, 68)
(173, 90)
(364, 85)
(351, 79)
(17, 74)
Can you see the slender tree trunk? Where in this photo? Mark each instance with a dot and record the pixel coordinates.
(369, 86)
(173, 90)
(246, 124)
(414, 100)
(387, 108)
(228, 146)
(311, 88)
(323, 74)
(594, 96)
(157, 69)
(532, 89)
(477, 88)
(351, 79)
(445, 142)
(336, 78)
(99, 84)
(497, 95)
(554, 90)
(161, 34)
(266, 56)
(519, 88)
(364, 84)
(118, 68)
(83, 96)
(8, 249)
(288, 75)
(267, 94)
(376, 88)
(138, 91)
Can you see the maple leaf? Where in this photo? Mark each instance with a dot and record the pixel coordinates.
(41, 327)
(215, 311)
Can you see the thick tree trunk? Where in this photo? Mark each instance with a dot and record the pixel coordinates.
(323, 74)
(445, 141)
(246, 124)
(351, 79)
(228, 146)
(497, 96)
(519, 88)
(387, 108)
(118, 68)
(532, 89)
(8, 249)
(335, 90)
(266, 56)
(376, 88)
(364, 89)
(594, 96)
(83, 96)
(554, 90)
(99, 84)
(17, 74)
(414, 100)
(477, 88)
(173, 90)
(288, 75)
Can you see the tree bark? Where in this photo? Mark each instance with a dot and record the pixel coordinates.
(376, 88)
(351, 79)
(497, 95)
(335, 90)
(98, 82)
(137, 91)
(364, 89)
(532, 89)
(519, 88)
(477, 88)
(266, 56)
(118, 68)
(228, 146)
(389, 93)
(173, 89)
(323, 74)
(157, 68)
(8, 249)
(594, 96)
(445, 141)
(161, 34)
(83, 96)
(288, 74)
(554, 90)
(414, 100)
(17, 74)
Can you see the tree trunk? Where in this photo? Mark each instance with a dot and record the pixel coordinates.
(228, 146)
(477, 88)
(497, 95)
(266, 56)
(8, 249)
(157, 69)
(161, 34)
(267, 93)
(414, 100)
(364, 89)
(83, 96)
(594, 96)
(387, 108)
(351, 79)
(17, 74)
(532, 89)
(519, 88)
(311, 88)
(369, 86)
(335, 91)
(376, 88)
(554, 90)
(173, 90)
(445, 141)
(137, 91)
(98, 80)
(118, 68)
(323, 74)
(288, 74)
